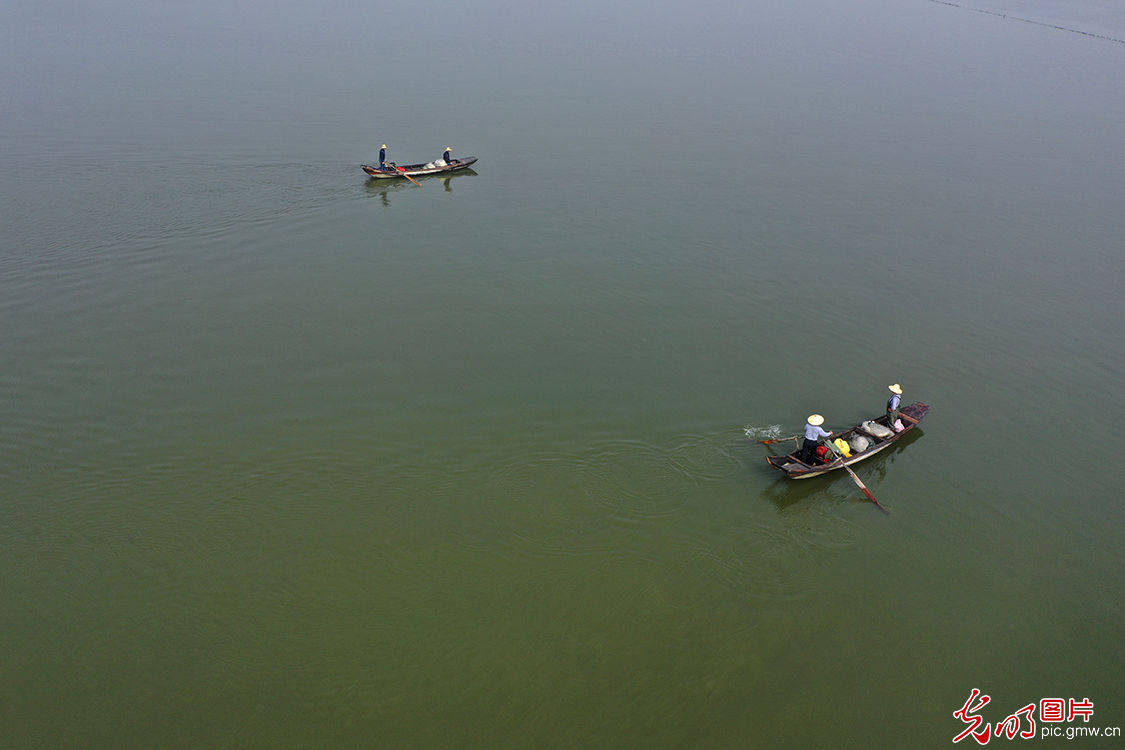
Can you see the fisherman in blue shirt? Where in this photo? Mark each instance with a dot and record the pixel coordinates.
(383, 157)
(892, 404)
(447, 150)
(813, 433)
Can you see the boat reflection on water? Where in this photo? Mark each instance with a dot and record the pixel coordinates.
(785, 494)
(385, 188)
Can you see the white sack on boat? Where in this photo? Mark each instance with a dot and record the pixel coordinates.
(859, 443)
(878, 430)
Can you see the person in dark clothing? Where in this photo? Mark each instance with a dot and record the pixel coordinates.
(447, 151)
(813, 433)
(383, 157)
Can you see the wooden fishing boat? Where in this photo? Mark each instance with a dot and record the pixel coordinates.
(795, 468)
(414, 170)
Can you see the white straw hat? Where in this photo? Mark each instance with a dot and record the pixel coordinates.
(816, 420)
(896, 388)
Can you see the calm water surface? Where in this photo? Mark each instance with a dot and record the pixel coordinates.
(293, 460)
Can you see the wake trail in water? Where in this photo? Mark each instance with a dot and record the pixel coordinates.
(1031, 21)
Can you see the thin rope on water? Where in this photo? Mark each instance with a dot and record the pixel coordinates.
(1028, 20)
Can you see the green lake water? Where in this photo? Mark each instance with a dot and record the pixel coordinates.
(291, 459)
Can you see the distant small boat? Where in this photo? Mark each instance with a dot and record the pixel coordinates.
(414, 170)
(795, 468)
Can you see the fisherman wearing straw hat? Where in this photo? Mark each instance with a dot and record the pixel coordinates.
(892, 404)
(813, 433)
(383, 157)
(447, 150)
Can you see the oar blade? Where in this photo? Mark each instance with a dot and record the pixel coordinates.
(858, 482)
(872, 499)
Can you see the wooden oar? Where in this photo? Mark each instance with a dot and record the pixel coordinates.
(857, 480)
(778, 440)
(402, 172)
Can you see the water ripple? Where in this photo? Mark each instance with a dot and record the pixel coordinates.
(679, 510)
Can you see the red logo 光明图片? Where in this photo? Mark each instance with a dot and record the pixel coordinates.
(1022, 722)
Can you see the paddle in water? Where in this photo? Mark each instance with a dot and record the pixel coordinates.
(402, 172)
(859, 482)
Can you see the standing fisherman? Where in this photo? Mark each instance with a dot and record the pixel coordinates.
(892, 404)
(383, 157)
(813, 433)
